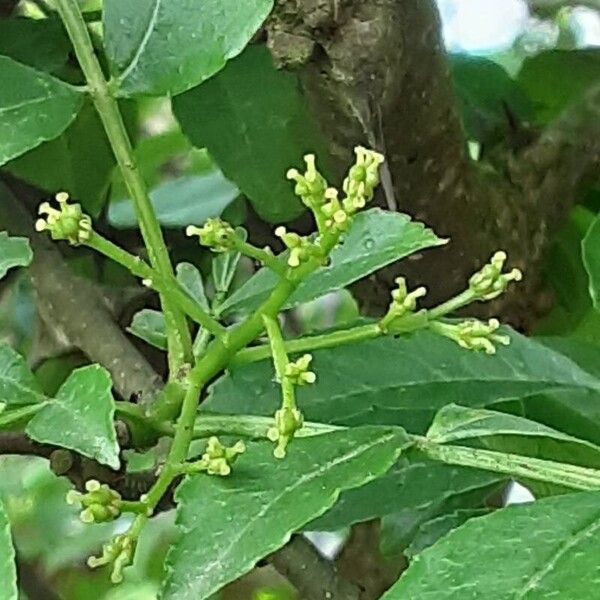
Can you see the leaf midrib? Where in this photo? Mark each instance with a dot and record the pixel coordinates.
(144, 42)
(534, 580)
(306, 478)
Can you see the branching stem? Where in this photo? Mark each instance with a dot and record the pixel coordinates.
(178, 334)
(167, 287)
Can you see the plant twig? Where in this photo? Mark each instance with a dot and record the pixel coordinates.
(178, 334)
(74, 309)
(153, 279)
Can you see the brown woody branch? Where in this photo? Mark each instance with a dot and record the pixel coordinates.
(73, 308)
(376, 73)
(314, 577)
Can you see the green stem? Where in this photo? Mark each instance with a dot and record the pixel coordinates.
(207, 425)
(452, 305)
(313, 342)
(262, 256)
(565, 475)
(280, 360)
(250, 426)
(168, 287)
(178, 334)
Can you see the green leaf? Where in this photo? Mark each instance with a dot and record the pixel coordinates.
(376, 239)
(224, 266)
(191, 279)
(14, 252)
(38, 43)
(79, 162)
(255, 123)
(485, 91)
(271, 499)
(149, 325)
(17, 383)
(34, 108)
(572, 411)
(81, 417)
(431, 531)
(8, 571)
(154, 155)
(511, 434)
(413, 486)
(404, 381)
(164, 48)
(554, 79)
(547, 549)
(572, 313)
(591, 260)
(179, 202)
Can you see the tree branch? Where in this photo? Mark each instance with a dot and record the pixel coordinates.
(376, 73)
(73, 308)
(78, 469)
(314, 577)
(76, 308)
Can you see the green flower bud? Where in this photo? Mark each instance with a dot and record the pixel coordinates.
(118, 552)
(363, 177)
(215, 234)
(403, 303)
(336, 216)
(311, 186)
(489, 282)
(474, 335)
(217, 459)
(68, 222)
(298, 373)
(287, 422)
(301, 248)
(100, 504)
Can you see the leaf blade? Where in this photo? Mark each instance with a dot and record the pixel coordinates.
(510, 433)
(164, 48)
(14, 252)
(17, 383)
(227, 116)
(8, 570)
(591, 260)
(315, 470)
(405, 381)
(81, 417)
(560, 542)
(376, 239)
(25, 96)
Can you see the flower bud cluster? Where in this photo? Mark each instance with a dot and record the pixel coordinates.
(403, 303)
(217, 458)
(100, 504)
(118, 553)
(68, 222)
(489, 282)
(215, 234)
(477, 335)
(287, 421)
(311, 186)
(363, 177)
(298, 372)
(301, 248)
(331, 213)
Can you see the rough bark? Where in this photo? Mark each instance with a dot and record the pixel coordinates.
(376, 73)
